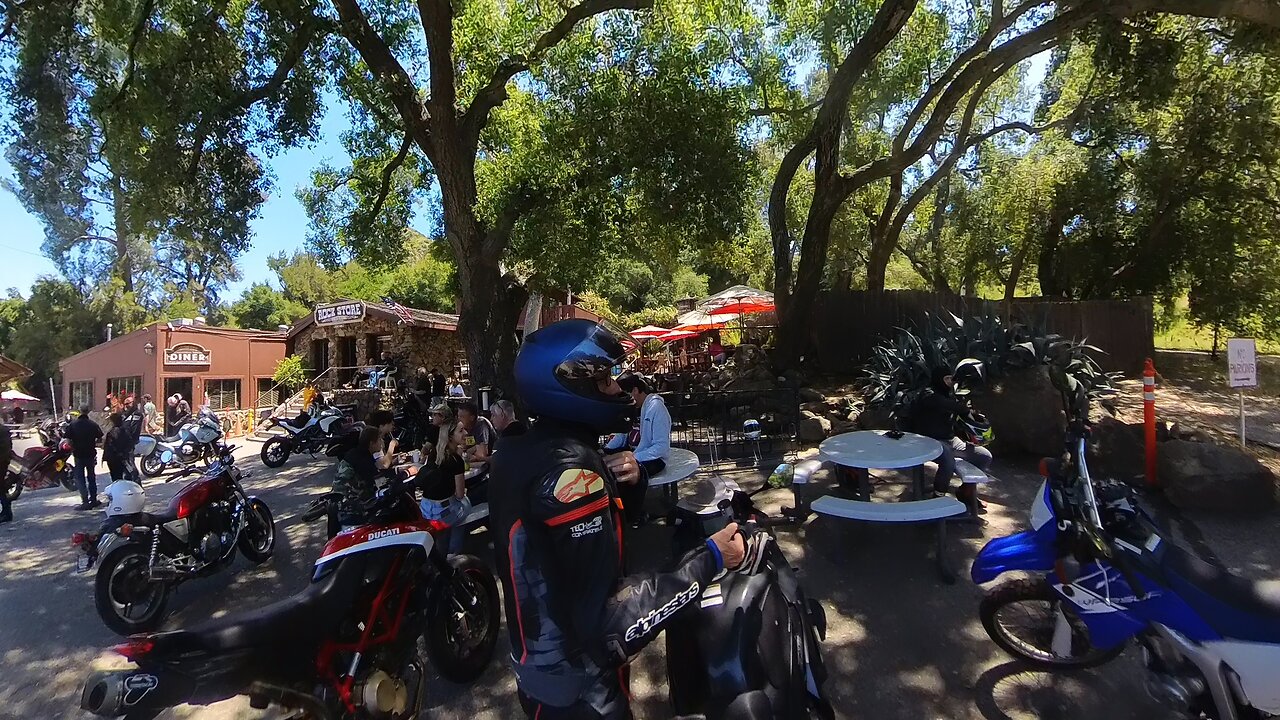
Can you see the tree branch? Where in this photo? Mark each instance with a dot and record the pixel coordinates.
(144, 18)
(246, 99)
(388, 171)
(437, 25)
(767, 111)
(494, 92)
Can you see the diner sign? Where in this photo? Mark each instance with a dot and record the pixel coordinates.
(340, 313)
(186, 354)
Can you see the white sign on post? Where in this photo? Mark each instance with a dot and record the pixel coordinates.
(1242, 364)
(1242, 371)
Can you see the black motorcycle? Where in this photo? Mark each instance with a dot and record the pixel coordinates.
(323, 428)
(355, 643)
(751, 647)
(141, 556)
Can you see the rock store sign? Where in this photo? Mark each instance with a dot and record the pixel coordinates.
(340, 313)
(186, 354)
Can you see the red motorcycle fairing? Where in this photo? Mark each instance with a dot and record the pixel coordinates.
(365, 538)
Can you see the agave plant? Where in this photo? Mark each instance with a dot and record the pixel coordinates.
(975, 351)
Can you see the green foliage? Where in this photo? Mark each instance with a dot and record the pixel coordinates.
(54, 323)
(598, 305)
(291, 372)
(264, 308)
(423, 280)
(659, 316)
(974, 351)
(137, 131)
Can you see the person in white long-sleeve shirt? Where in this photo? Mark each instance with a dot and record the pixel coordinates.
(653, 446)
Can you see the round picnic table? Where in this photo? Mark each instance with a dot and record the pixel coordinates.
(681, 464)
(868, 449)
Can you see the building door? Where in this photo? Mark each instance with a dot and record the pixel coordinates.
(319, 356)
(346, 359)
(181, 386)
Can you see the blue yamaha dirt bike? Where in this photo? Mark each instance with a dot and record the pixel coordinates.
(1211, 640)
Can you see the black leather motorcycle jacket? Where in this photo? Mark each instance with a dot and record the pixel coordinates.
(572, 614)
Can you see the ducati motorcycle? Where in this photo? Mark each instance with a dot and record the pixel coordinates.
(141, 557)
(42, 466)
(384, 599)
(751, 646)
(321, 429)
(197, 439)
(1104, 576)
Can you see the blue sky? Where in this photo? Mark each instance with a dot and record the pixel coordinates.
(282, 224)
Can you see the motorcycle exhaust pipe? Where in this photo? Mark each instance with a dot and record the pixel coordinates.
(112, 694)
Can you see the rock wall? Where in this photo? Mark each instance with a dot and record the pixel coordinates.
(413, 347)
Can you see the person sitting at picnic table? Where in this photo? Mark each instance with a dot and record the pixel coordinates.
(455, 389)
(18, 414)
(651, 447)
(716, 350)
(480, 437)
(503, 416)
(935, 414)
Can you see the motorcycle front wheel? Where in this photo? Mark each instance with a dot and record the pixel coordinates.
(462, 621)
(15, 488)
(275, 452)
(258, 539)
(126, 598)
(1021, 616)
(151, 465)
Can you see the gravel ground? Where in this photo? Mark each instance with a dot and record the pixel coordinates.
(900, 643)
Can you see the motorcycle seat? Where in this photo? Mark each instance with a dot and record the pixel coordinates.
(1234, 606)
(171, 439)
(289, 624)
(144, 519)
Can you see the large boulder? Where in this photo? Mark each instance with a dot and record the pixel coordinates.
(813, 427)
(1117, 450)
(1202, 476)
(1025, 411)
(811, 395)
(875, 417)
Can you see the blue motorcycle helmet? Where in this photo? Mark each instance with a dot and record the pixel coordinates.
(561, 369)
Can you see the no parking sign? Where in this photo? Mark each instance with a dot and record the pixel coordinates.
(1242, 370)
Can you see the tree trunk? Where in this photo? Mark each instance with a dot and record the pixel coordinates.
(123, 263)
(940, 283)
(489, 310)
(1015, 271)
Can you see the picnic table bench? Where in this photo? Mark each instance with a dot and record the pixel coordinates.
(862, 451)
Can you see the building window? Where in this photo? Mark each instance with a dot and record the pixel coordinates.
(81, 394)
(268, 393)
(373, 348)
(123, 387)
(222, 394)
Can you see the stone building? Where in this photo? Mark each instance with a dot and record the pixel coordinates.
(339, 339)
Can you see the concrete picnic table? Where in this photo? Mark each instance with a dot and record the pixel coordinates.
(681, 464)
(868, 449)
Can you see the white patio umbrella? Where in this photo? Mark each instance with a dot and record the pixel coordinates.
(17, 395)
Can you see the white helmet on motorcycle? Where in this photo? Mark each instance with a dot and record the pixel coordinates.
(124, 498)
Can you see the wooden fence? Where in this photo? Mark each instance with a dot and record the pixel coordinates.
(847, 324)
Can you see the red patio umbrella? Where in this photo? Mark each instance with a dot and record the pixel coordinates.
(698, 321)
(675, 335)
(746, 306)
(649, 331)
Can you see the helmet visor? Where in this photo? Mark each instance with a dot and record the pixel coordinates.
(593, 359)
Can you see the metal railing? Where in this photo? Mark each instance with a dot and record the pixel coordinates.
(737, 426)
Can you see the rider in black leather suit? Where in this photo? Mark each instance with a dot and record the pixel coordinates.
(575, 619)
